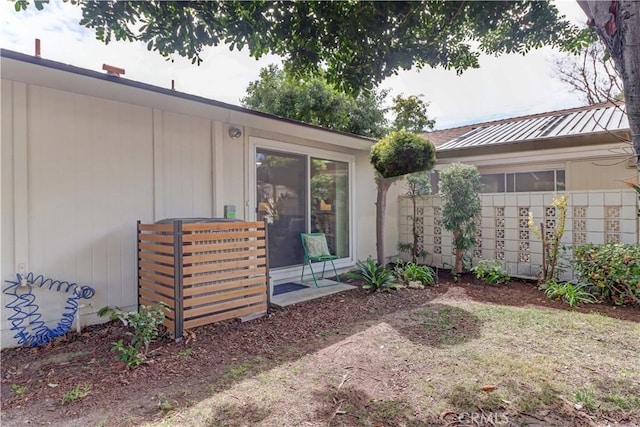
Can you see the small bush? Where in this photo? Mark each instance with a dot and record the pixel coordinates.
(375, 277)
(412, 272)
(491, 271)
(145, 324)
(570, 293)
(613, 269)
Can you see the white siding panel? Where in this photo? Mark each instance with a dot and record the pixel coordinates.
(187, 171)
(7, 260)
(91, 179)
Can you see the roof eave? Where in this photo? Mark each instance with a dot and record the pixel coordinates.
(9, 71)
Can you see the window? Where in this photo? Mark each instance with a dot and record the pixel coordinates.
(298, 193)
(520, 182)
(492, 183)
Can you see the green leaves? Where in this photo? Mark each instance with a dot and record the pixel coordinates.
(459, 190)
(145, 324)
(358, 43)
(613, 269)
(491, 271)
(375, 277)
(313, 100)
(401, 153)
(411, 114)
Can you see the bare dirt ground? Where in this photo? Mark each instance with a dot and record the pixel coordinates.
(219, 361)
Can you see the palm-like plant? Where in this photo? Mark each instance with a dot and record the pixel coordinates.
(375, 277)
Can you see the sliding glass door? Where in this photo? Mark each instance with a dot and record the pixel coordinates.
(298, 193)
(330, 203)
(282, 201)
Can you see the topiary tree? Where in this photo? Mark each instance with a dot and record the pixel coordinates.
(395, 155)
(459, 190)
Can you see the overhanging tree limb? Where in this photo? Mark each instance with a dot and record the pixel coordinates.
(617, 23)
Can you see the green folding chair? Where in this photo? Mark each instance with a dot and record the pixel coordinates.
(316, 250)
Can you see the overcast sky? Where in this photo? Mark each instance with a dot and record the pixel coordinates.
(505, 86)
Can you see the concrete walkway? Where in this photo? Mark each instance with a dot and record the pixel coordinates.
(310, 293)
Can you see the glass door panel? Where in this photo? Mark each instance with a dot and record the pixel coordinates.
(330, 203)
(281, 184)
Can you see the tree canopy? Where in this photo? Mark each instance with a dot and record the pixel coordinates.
(411, 114)
(315, 101)
(389, 35)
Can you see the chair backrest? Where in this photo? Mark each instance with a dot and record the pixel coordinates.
(315, 245)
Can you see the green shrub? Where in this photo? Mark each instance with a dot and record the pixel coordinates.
(491, 271)
(613, 269)
(145, 324)
(570, 293)
(412, 272)
(375, 277)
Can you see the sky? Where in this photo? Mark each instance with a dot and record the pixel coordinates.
(504, 86)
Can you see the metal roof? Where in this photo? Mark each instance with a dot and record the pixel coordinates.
(596, 120)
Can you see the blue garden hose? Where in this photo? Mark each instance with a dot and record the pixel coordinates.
(30, 330)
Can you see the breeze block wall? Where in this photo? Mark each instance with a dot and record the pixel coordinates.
(504, 234)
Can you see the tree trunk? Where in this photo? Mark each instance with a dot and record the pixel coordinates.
(617, 23)
(414, 251)
(459, 252)
(381, 205)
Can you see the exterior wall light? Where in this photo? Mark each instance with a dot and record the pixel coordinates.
(235, 133)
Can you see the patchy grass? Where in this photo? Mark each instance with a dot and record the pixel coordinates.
(449, 357)
(80, 391)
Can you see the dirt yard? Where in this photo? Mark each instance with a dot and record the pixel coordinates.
(460, 353)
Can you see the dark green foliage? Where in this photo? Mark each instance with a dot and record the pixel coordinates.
(401, 153)
(491, 271)
(412, 272)
(375, 277)
(613, 269)
(411, 114)
(460, 193)
(572, 294)
(317, 102)
(359, 42)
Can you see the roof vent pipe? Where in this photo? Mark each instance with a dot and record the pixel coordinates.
(37, 48)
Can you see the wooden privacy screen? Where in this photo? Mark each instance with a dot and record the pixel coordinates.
(204, 271)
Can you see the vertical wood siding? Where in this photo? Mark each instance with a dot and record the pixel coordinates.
(90, 169)
(187, 171)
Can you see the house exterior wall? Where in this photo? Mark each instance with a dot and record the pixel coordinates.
(80, 164)
(595, 216)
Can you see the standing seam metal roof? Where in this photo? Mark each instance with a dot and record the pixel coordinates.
(602, 119)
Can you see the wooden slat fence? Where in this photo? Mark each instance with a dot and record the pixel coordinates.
(205, 272)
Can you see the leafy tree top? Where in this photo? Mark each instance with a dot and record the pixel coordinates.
(460, 186)
(402, 152)
(389, 35)
(411, 114)
(315, 101)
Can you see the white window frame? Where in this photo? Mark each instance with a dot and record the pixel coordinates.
(256, 143)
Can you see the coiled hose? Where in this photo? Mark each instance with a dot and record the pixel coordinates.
(26, 321)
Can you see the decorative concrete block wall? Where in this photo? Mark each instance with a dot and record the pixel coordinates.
(504, 234)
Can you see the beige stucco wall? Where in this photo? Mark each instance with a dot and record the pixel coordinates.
(79, 165)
